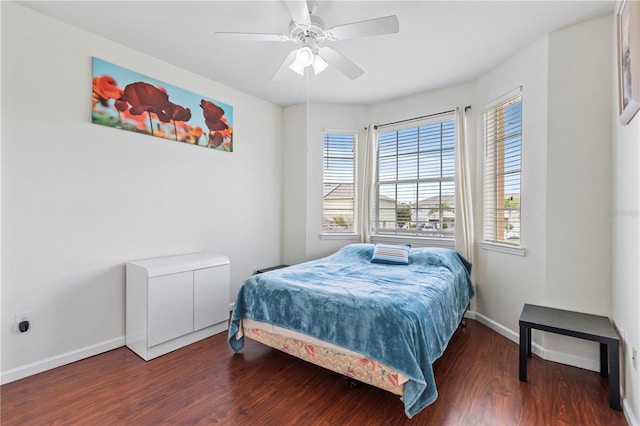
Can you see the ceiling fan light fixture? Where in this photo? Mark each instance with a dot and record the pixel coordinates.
(319, 65)
(298, 68)
(309, 32)
(304, 56)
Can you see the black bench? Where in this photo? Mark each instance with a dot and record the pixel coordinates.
(584, 326)
(273, 268)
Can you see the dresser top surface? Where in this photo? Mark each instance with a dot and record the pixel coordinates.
(184, 262)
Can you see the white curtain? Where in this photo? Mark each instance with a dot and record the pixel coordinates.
(464, 208)
(367, 187)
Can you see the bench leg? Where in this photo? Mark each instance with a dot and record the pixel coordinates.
(525, 343)
(604, 360)
(614, 375)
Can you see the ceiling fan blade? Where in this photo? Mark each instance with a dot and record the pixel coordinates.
(284, 66)
(371, 27)
(336, 59)
(252, 37)
(299, 11)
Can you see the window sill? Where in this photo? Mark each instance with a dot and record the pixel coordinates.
(414, 241)
(503, 248)
(355, 237)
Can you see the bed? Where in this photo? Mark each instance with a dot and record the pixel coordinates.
(379, 323)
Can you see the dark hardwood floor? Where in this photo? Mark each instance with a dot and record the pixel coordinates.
(204, 383)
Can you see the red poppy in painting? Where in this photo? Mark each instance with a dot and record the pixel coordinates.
(144, 97)
(215, 139)
(213, 115)
(181, 113)
(171, 111)
(121, 105)
(105, 88)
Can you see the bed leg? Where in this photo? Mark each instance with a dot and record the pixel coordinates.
(464, 321)
(350, 382)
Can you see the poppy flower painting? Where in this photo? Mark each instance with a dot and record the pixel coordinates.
(126, 100)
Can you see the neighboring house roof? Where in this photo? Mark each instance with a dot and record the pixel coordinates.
(338, 191)
(448, 199)
(343, 191)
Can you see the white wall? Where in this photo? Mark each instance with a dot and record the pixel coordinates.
(79, 200)
(507, 281)
(623, 221)
(304, 126)
(579, 173)
(426, 103)
(294, 185)
(625, 294)
(565, 184)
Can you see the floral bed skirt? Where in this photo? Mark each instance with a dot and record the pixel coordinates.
(332, 358)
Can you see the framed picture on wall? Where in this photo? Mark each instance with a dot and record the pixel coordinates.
(628, 18)
(126, 100)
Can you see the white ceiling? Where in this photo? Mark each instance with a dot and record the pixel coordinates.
(440, 42)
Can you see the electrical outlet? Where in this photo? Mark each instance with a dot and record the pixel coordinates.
(634, 358)
(22, 316)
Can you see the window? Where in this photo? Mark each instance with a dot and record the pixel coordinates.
(416, 180)
(339, 181)
(502, 169)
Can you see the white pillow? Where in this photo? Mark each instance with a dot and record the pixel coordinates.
(391, 254)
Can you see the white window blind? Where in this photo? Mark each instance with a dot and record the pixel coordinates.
(339, 183)
(502, 170)
(416, 179)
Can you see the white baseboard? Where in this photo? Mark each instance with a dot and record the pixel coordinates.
(500, 329)
(546, 354)
(60, 360)
(563, 358)
(631, 420)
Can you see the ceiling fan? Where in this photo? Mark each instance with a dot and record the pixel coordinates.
(309, 32)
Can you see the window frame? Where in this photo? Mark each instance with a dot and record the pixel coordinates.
(499, 145)
(427, 237)
(355, 232)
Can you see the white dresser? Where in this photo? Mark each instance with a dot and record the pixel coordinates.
(175, 301)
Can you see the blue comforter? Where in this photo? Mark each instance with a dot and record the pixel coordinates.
(402, 316)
